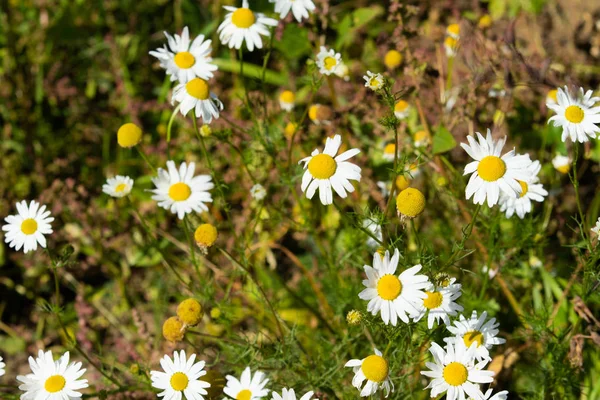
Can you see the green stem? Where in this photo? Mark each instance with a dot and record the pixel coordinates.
(331, 85)
(139, 150)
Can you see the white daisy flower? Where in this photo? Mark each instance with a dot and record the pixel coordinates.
(492, 173)
(180, 378)
(52, 380)
(287, 100)
(119, 186)
(195, 95)
(289, 394)
(389, 152)
(373, 227)
(551, 97)
(244, 25)
(454, 371)
(440, 304)
(247, 387)
(184, 60)
(561, 163)
(28, 227)
(258, 192)
(324, 172)
(373, 81)
(476, 330)
(375, 370)
(530, 191)
(394, 296)
(181, 191)
(576, 115)
(2, 365)
(343, 71)
(453, 30)
(328, 61)
(300, 8)
(451, 46)
(401, 109)
(596, 229)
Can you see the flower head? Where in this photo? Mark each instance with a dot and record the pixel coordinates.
(453, 30)
(401, 109)
(576, 115)
(173, 329)
(440, 303)
(375, 371)
(477, 332)
(129, 135)
(244, 25)
(27, 229)
(596, 229)
(392, 59)
(373, 81)
(328, 61)
(410, 203)
(247, 387)
(450, 45)
(119, 186)
(300, 8)
(561, 163)
(196, 95)
(190, 312)
(205, 236)
(258, 192)
(531, 190)
(287, 100)
(181, 378)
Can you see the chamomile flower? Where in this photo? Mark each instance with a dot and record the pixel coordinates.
(552, 97)
(180, 191)
(422, 138)
(2, 365)
(247, 387)
(401, 109)
(375, 228)
(453, 30)
(389, 152)
(576, 115)
(119, 186)
(392, 59)
(289, 394)
(373, 81)
(196, 95)
(450, 45)
(325, 172)
(394, 296)
(300, 8)
(531, 190)
(27, 229)
(180, 378)
(52, 380)
(258, 192)
(410, 203)
(492, 173)
(184, 60)
(561, 163)
(596, 229)
(375, 370)
(287, 100)
(319, 114)
(485, 21)
(440, 304)
(455, 372)
(244, 25)
(476, 330)
(328, 61)
(343, 71)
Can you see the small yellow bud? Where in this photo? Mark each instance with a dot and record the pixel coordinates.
(485, 21)
(205, 131)
(205, 236)
(402, 183)
(129, 135)
(290, 129)
(189, 312)
(173, 329)
(354, 317)
(215, 313)
(410, 203)
(392, 59)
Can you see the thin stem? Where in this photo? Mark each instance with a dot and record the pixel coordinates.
(139, 150)
(190, 240)
(331, 85)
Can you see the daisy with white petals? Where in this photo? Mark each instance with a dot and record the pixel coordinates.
(289, 394)
(576, 114)
(119, 186)
(184, 60)
(300, 8)
(530, 191)
(561, 163)
(328, 61)
(492, 173)
(394, 296)
(247, 387)
(244, 25)
(375, 370)
(455, 372)
(180, 378)
(325, 171)
(27, 228)
(476, 330)
(52, 380)
(596, 229)
(2, 365)
(196, 95)
(440, 303)
(180, 191)
(373, 81)
(258, 192)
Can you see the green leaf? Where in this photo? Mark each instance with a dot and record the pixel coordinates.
(443, 141)
(294, 42)
(251, 71)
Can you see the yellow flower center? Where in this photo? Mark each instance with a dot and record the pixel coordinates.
(401, 106)
(173, 329)
(244, 395)
(390, 148)
(197, 88)
(574, 114)
(563, 168)
(553, 95)
(433, 300)
(329, 63)
(389, 287)
(179, 191)
(374, 82)
(450, 42)
(402, 183)
(243, 18)
(421, 136)
(205, 235)
(312, 112)
(179, 381)
(491, 168)
(287, 96)
(289, 130)
(453, 29)
(55, 383)
(190, 312)
(29, 226)
(322, 166)
(129, 135)
(455, 374)
(375, 368)
(185, 60)
(485, 21)
(473, 336)
(410, 202)
(524, 188)
(120, 187)
(392, 59)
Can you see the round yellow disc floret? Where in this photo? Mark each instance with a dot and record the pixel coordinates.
(574, 114)
(473, 336)
(287, 96)
(290, 129)
(485, 21)
(180, 191)
(455, 374)
(205, 235)
(402, 183)
(433, 300)
(244, 395)
(198, 88)
(205, 130)
(401, 106)
(524, 188)
(29, 226)
(553, 94)
(184, 60)
(491, 168)
(243, 18)
(322, 166)
(179, 381)
(392, 59)
(375, 368)
(410, 202)
(189, 312)
(354, 317)
(389, 287)
(55, 383)
(453, 30)
(329, 63)
(129, 135)
(173, 329)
